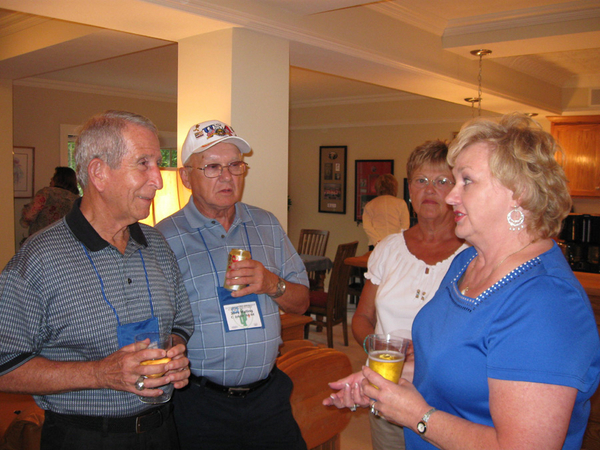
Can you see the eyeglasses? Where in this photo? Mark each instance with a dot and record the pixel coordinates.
(236, 168)
(441, 183)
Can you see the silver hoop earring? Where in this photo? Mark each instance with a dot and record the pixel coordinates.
(515, 223)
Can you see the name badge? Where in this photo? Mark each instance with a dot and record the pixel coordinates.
(241, 313)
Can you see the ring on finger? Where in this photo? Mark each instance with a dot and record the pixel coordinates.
(374, 410)
(139, 384)
(353, 408)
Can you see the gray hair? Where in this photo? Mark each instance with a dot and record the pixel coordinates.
(102, 137)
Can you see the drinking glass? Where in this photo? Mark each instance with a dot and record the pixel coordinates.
(386, 355)
(157, 340)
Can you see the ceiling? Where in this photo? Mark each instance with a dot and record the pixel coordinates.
(540, 56)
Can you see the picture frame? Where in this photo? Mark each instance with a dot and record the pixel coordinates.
(367, 171)
(23, 166)
(332, 179)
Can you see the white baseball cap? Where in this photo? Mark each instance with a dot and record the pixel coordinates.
(203, 136)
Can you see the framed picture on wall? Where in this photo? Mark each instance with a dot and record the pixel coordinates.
(332, 179)
(23, 171)
(367, 171)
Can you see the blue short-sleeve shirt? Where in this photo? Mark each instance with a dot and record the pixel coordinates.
(238, 357)
(534, 325)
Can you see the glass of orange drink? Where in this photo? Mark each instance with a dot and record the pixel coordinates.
(156, 340)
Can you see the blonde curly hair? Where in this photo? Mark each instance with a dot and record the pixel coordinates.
(522, 159)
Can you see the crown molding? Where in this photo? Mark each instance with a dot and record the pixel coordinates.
(407, 14)
(458, 120)
(354, 100)
(94, 89)
(527, 17)
(16, 22)
(281, 28)
(404, 11)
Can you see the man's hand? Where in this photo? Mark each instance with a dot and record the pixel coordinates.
(123, 368)
(262, 281)
(178, 370)
(118, 371)
(255, 275)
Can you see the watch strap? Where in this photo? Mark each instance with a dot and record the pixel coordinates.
(422, 425)
(280, 288)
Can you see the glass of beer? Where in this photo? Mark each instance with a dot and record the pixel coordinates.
(386, 355)
(157, 340)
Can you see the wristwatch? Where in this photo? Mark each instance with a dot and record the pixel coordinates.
(422, 425)
(280, 288)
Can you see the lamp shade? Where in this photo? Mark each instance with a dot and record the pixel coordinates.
(166, 200)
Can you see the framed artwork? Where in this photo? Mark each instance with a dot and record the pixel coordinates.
(332, 179)
(367, 171)
(23, 171)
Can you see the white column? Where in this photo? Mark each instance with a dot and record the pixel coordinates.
(242, 77)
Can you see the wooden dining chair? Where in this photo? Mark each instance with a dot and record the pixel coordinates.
(314, 242)
(330, 308)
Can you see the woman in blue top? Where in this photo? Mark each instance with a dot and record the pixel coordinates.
(507, 353)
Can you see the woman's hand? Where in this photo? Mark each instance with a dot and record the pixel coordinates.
(349, 394)
(398, 403)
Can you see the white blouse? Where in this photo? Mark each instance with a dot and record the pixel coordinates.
(404, 283)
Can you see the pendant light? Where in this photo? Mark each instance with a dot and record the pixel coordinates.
(481, 53)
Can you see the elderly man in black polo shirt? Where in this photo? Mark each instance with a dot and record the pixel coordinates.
(74, 296)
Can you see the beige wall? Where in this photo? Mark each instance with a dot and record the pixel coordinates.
(38, 114)
(375, 130)
(6, 169)
(371, 138)
(372, 130)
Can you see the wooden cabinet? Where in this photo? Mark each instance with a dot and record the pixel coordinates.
(580, 139)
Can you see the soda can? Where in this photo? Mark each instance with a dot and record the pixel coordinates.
(236, 254)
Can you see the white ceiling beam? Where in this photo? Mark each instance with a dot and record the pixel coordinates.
(527, 31)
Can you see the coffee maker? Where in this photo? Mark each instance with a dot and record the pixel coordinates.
(581, 242)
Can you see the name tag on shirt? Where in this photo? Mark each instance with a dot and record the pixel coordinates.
(240, 313)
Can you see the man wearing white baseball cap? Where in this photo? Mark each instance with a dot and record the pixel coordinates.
(237, 398)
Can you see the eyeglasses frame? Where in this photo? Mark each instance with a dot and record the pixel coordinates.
(203, 169)
(434, 183)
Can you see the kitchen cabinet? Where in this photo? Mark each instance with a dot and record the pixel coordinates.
(580, 138)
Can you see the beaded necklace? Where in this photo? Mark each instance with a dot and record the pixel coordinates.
(465, 290)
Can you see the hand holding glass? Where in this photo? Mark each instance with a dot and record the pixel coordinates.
(157, 340)
(386, 355)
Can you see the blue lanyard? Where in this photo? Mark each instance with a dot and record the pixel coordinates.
(102, 284)
(211, 258)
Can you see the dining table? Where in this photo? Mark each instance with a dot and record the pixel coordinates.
(314, 263)
(319, 265)
(358, 261)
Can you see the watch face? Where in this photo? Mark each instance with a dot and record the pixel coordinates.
(421, 427)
